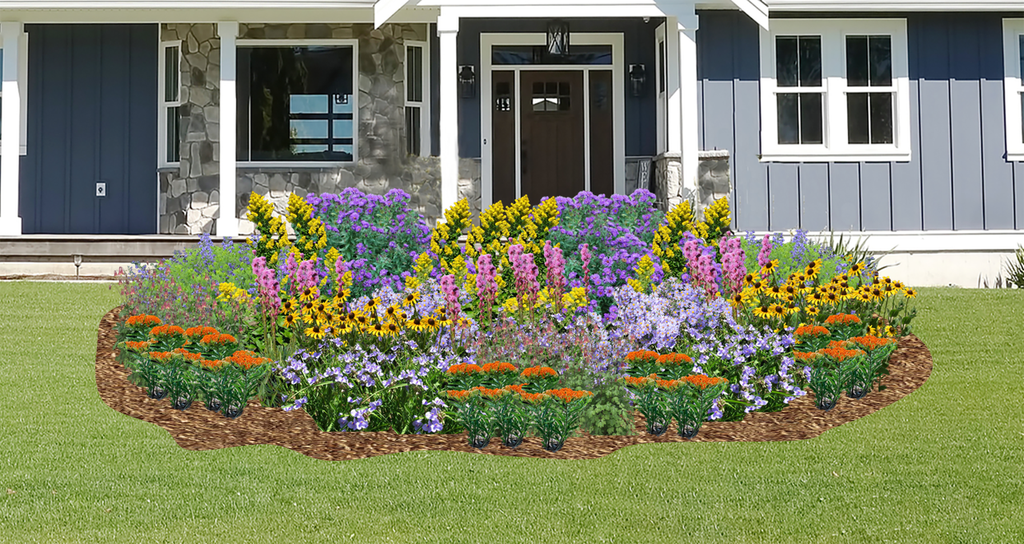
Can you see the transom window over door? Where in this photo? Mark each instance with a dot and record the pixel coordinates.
(835, 90)
(296, 103)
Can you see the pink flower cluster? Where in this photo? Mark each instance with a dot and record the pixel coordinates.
(705, 272)
(733, 262)
(765, 255)
(269, 288)
(585, 257)
(555, 264)
(486, 274)
(525, 271)
(451, 295)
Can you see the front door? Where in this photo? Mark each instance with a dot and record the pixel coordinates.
(90, 165)
(551, 134)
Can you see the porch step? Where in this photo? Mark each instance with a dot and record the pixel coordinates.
(101, 255)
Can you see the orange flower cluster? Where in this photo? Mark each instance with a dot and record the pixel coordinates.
(166, 330)
(811, 331)
(218, 339)
(538, 372)
(842, 319)
(459, 395)
(143, 321)
(490, 393)
(464, 369)
(197, 333)
(702, 381)
(532, 397)
(638, 382)
(839, 354)
(839, 344)
(674, 359)
(567, 395)
(500, 368)
(136, 346)
(190, 357)
(214, 364)
(806, 357)
(162, 356)
(246, 359)
(642, 356)
(871, 343)
(516, 388)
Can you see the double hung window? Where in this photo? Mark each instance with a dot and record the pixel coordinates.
(417, 98)
(835, 90)
(1013, 83)
(170, 103)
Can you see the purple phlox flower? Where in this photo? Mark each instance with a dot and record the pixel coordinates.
(765, 255)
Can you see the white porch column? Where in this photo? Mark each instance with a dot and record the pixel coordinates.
(10, 131)
(227, 223)
(447, 31)
(681, 46)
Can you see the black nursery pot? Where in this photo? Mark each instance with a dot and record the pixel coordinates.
(656, 427)
(213, 404)
(480, 441)
(182, 403)
(825, 403)
(512, 440)
(233, 411)
(857, 390)
(554, 443)
(156, 392)
(688, 430)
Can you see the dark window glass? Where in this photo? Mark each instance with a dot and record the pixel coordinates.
(787, 63)
(551, 96)
(1022, 116)
(171, 87)
(538, 54)
(800, 118)
(295, 103)
(414, 73)
(412, 127)
(661, 66)
(869, 118)
(880, 50)
(1021, 55)
(857, 61)
(503, 93)
(810, 61)
(173, 138)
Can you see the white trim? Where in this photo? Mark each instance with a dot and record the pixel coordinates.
(661, 87)
(161, 121)
(927, 241)
(448, 114)
(351, 42)
(834, 88)
(12, 35)
(424, 103)
(487, 41)
(1013, 84)
(227, 222)
(23, 85)
(891, 6)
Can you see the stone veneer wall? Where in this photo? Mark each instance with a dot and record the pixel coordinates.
(713, 181)
(189, 199)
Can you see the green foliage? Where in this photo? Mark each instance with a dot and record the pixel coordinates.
(1015, 268)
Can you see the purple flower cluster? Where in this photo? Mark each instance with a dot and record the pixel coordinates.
(705, 271)
(617, 231)
(380, 236)
(451, 295)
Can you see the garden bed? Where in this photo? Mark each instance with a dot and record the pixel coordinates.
(198, 429)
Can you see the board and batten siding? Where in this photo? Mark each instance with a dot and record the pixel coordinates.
(957, 179)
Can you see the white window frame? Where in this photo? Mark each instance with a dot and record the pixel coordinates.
(424, 103)
(167, 104)
(835, 146)
(1013, 84)
(23, 85)
(354, 44)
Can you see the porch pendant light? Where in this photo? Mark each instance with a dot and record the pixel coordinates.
(558, 38)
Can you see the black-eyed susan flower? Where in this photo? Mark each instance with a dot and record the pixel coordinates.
(778, 310)
(289, 320)
(432, 323)
(411, 298)
(316, 331)
(770, 267)
(310, 293)
(856, 269)
(378, 330)
(764, 311)
(812, 310)
(909, 293)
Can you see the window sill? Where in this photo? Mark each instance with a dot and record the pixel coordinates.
(834, 157)
(284, 165)
(1015, 157)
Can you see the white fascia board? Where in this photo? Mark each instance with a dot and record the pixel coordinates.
(385, 9)
(178, 4)
(927, 241)
(894, 5)
(755, 9)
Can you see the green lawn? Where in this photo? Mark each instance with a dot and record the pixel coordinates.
(945, 464)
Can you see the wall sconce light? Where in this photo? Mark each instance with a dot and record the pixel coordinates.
(467, 81)
(558, 38)
(637, 79)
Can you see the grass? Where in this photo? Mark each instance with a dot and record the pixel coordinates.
(942, 465)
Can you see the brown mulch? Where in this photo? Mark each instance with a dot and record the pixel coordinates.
(200, 429)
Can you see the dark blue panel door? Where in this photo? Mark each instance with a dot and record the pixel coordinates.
(92, 114)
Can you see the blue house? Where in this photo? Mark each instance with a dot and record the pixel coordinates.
(160, 117)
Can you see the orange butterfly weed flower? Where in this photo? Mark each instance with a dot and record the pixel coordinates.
(464, 369)
(211, 364)
(839, 344)
(871, 343)
(674, 359)
(459, 395)
(839, 354)
(532, 397)
(166, 330)
(161, 356)
(490, 393)
(811, 331)
(199, 332)
(246, 359)
(806, 357)
(136, 346)
(842, 319)
(515, 388)
(567, 395)
(500, 368)
(702, 381)
(143, 321)
(538, 372)
(642, 356)
(190, 357)
(637, 381)
(668, 384)
(218, 339)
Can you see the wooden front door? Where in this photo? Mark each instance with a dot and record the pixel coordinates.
(551, 134)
